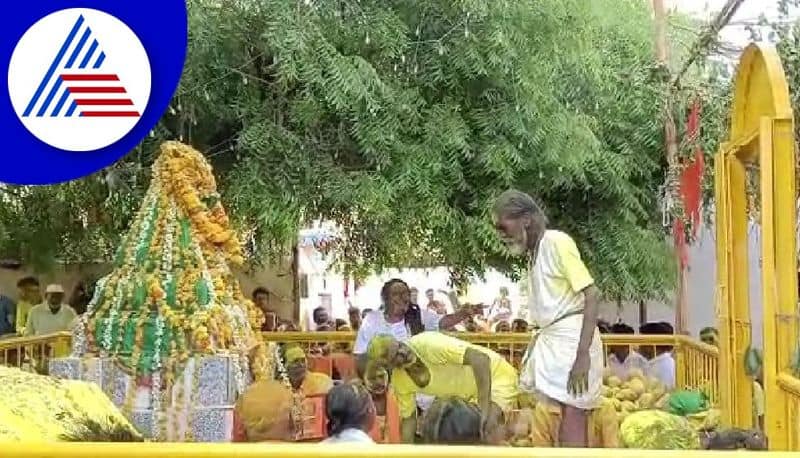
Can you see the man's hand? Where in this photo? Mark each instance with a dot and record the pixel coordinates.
(578, 382)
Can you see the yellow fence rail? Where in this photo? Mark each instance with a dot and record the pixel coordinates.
(696, 363)
(790, 388)
(160, 450)
(34, 352)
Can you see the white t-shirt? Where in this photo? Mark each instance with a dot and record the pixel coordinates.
(662, 367)
(375, 324)
(633, 361)
(350, 435)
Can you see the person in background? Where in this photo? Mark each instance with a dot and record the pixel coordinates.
(29, 294)
(413, 296)
(354, 317)
(563, 366)
(310, 383)
(501, 307)
(709, 336)
(263, 413)
(52, 315)
(338, 323)
(519, 326)
(7, 312)
(502, 326)
(80, 298)
(758, 393)
(436, 306)
(365, 312)
(442, 366)
(321, 318)
(452, 421)
(622, 359)
(400, 319)
(661, 363)
(262, 300)
(604, 327)
(351, 414)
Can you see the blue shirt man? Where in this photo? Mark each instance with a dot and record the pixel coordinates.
(7, 311)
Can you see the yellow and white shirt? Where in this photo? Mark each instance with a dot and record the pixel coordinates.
(558, 278)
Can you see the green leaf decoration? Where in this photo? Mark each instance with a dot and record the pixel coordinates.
(139, 295)
(171, 291)
(185, 238)
(129, 338)
(202, 293)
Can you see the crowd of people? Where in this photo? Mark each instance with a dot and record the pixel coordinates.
(35, 313)
(442, 389)
(412, 382)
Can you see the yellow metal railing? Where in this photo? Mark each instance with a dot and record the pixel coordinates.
(187, 450)
(790, 388)
(696, 363)
(34, 352)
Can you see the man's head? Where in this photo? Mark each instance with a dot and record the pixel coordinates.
(429, 294)
(28, 290)
(519, 325)
(54, 295)
(320, 316)
(261, 298)
(396, 297)
(621, 351)
(413, 296)
(354, 317)
(655, 329)
(502, 326)
(296, 367)
(709, 336)
(386, 351)
(349, 406)
(518, 221)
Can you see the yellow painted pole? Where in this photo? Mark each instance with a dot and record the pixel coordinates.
(724, 310)
(739, 321)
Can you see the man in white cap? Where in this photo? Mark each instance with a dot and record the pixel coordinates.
(52, 315)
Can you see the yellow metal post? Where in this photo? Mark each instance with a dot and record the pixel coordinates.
(723, 299)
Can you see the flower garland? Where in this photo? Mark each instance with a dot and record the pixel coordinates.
(172, 295)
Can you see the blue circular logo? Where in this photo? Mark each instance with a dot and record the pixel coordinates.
(87, 81)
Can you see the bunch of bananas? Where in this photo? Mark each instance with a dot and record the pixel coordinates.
(40, 408)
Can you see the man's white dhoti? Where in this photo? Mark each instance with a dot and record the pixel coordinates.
(558, 278)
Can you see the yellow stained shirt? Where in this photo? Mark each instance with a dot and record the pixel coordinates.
(23, 308)
(449, 377)
(758, 401)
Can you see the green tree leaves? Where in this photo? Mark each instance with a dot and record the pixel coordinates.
(401, 120)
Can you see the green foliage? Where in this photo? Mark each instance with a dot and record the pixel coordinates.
(401, 120)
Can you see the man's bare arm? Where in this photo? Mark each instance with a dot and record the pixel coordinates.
(590, 312)
(481, 367)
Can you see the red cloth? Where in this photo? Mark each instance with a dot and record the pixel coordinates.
(691, 186)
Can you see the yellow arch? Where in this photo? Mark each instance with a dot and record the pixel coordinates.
(762, 133)
(760, 90)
